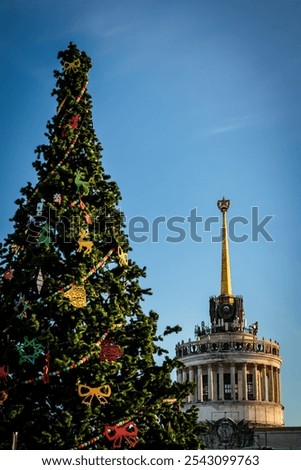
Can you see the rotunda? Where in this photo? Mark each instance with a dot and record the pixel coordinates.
(236, 374)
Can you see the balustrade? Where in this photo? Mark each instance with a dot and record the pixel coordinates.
(209, 346)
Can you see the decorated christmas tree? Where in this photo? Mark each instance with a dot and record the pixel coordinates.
(78, 356)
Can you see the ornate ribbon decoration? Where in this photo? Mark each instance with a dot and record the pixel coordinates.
(123, 257)
(99, 392)
(128, 431)
(77, 296)
(68, 66)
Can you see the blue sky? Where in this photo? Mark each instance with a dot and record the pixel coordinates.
(193, 100)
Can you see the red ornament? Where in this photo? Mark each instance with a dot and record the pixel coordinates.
(46, 368)
(110, 351)
(72, 123)
(88, 218)
(117, 433)
(82, 205)
(9, 274)
(3, 373)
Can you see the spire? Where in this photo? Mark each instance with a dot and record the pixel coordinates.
(226, 288)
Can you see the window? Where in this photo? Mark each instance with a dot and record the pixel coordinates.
(227, 387)
(250, 386)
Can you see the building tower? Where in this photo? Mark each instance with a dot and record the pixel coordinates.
(237, 375)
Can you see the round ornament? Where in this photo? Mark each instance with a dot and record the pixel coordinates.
(110, 351)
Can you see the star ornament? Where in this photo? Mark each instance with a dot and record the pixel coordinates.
(29, 350)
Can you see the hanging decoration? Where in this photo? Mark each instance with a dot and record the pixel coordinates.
(123, 257)
(23, 314)
(68, 368)
(82, 205)
(46, 369)
(83, 243)
(110, 351)
(117, 433)
(9, 274)
(72, 145)
(61, 105)
(44, 236)
(169, 401)
(77, 296)
(40, 206)
(71, 124)
(29, 350)
(3, 396)
(71, 66)
(57, 199)
(88, 218)
(3, 373)
(80, 183)
(16, 248)
(24, 304)
(99, 392)
(40, 281)
(19, 301)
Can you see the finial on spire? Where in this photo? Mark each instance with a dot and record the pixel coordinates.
(223, 204)
(226, 288)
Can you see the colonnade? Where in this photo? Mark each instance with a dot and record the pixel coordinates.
(222, 381)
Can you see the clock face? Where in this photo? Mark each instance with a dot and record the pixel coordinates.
(226, 312)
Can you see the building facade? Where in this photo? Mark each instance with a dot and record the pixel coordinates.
(236, 374)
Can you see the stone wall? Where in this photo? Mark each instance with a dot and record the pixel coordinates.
(283, 438)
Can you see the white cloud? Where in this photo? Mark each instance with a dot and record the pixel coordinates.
(232, 125)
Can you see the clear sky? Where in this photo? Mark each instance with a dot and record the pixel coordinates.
(192, 100)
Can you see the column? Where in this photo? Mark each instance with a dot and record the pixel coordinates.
(179, 375)
(279, 386)
(263, 382)
(210, 383)
(244, 382)
(259, 382)
(214, 384)
(200, 384)
(184, 378)
(191, 379)
(255, 388)
(232, 375)
(239, 383)
(276, 385)
(271, 384)
(221, 382)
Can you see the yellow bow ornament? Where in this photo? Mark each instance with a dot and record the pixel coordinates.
(123, 257)
(99, 392)
(72, 65)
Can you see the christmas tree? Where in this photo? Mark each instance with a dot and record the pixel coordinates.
(78, 356)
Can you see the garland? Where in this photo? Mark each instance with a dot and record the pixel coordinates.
(72, 145)
(68, 368)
